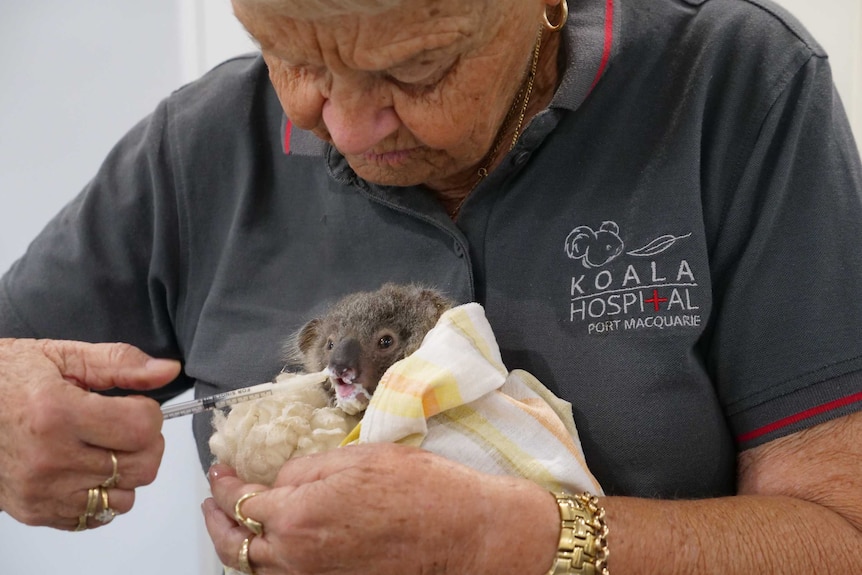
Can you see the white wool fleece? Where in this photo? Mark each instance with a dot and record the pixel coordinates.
(257, 437)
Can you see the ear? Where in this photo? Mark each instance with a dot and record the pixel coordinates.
(611, 227)
(437, 302)
(307, 335)
(578, 241)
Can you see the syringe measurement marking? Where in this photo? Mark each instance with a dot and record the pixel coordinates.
(207, 403)
(233, 396)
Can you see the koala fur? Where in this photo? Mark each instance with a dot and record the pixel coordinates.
(356, 341)
(363, 334)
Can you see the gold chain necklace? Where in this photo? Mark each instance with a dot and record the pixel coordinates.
(522, 96)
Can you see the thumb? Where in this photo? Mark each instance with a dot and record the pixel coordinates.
(106, 365)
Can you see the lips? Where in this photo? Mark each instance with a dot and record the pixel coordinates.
(350, 395)
(391, 158)
(351, 398)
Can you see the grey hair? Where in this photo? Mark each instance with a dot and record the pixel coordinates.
(312, 9)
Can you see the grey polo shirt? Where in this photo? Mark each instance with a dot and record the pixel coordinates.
(673, 245)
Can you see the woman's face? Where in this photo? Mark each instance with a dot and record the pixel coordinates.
(414, 95)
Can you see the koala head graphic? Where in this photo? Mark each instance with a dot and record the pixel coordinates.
(594, 248)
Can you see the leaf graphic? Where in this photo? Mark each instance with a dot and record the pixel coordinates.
(657, 246)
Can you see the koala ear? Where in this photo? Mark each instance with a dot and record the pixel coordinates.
(578, 241)
(610, 227)
(307, 335)
(437, 302)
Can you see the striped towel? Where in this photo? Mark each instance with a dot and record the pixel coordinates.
(454, 397)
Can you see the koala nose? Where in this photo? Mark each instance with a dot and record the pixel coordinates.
(344, 360)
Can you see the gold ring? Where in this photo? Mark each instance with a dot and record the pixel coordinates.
(92, 505)
(106, 515)
(242, 559)
(114, 479)
(255, 527)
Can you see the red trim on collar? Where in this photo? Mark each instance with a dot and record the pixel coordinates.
(287, 129)
(609, 40)
(808, 413)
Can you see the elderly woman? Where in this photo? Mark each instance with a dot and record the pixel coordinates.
(658, 202)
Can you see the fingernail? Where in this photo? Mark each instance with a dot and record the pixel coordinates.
(215, 472)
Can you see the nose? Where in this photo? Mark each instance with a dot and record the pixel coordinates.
(358, 115)
(345, 358)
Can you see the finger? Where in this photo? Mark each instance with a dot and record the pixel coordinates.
(73, 507)
(227, 488)
(107, 365)
(141, 467)
(134, 469)
(220, 510)
(226, 535)
(119, 502)
(88, 466)
(119, 423)
(53, 477)
(62, 416)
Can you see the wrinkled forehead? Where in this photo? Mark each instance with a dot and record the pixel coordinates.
(366, 38)
(314, 9)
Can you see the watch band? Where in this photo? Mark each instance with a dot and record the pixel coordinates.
(583, 546)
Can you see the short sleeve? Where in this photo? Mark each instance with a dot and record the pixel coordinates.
(106, 268)
(786, 352)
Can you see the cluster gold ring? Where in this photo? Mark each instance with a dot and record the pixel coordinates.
(100, 494)
(242, 558)
(106, 515)
(90, 511)
(114, 479)
(255, 527)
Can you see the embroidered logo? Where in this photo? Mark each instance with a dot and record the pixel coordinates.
(646, 292)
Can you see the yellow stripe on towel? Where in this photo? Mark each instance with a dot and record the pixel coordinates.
(455, 397)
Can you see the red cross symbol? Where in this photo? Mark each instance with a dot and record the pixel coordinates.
(656, 300)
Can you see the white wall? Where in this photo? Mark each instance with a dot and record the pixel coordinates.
(216, 35)
(837, 25)
(75, 75)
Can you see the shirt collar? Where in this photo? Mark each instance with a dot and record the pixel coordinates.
(589, 44)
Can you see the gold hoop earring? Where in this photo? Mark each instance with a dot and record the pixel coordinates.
(564, 15)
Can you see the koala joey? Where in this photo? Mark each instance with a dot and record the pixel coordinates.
(362, 335)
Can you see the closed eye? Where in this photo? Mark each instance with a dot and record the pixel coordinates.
(421, 78)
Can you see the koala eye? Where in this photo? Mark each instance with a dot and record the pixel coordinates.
(385, 342)
(329, 344)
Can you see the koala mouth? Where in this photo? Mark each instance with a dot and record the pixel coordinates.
(350, 395)
(342, 383)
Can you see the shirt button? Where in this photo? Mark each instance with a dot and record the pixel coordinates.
(459, 251)
(521, 158)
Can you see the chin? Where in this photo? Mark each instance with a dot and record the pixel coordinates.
(402, 175)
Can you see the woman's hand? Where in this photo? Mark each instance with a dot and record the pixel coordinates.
(385, 509)
(57, 436)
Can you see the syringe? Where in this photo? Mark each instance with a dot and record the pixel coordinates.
(227, 398)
